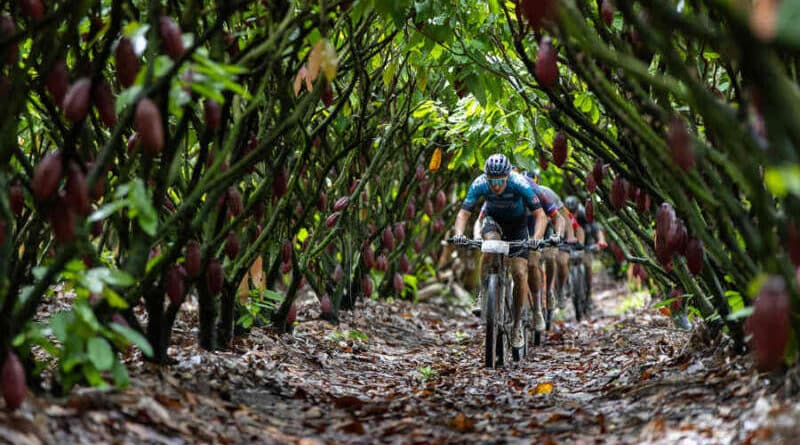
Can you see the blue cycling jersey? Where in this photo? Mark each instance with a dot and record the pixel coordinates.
(548, 199)
(508, 206)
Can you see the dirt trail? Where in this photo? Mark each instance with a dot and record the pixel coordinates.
(402, 373)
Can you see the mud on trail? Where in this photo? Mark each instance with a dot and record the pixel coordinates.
(403, 373)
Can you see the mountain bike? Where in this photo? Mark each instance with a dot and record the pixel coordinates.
(498, 301)
(576, 278)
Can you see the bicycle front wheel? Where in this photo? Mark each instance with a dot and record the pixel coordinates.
(492, 322)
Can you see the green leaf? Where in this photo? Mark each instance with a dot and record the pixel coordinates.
(133, 337)
(144, 212)
(120, 374)
(107, 210)
(100, 354)
(741, 313)
(126, 97)
(93, 377)
(782, 180)
(58, 323)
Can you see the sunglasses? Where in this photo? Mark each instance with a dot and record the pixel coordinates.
(497, 181)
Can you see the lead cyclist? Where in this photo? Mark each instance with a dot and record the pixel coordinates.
(509, 198)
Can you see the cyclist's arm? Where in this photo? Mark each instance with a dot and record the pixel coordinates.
(569, 228)
(476, 228)
(558, 224)
(601, 238)
(476, 190)
(541, 223)
(461, 221)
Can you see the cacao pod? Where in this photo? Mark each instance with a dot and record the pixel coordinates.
(643, 202)
(57, 81)
(420, 173)
(286, 251)
(46, 176)
(77, 191)
(388, 238)
(104, 102)
(560, 149)
(235, 204)
(280, 183)
(411, 210)
(62, 221)
(194, 259)
(76, 100)
(171, 37)
(794, 244)
(607, 12)
(665, 217)
(438, 225)
(591, 185)
(589, 208)
(680, 144)
(325, 306)
(338, 273)
(148, 125)
(441, 201)
(232, 245)
(322, 202)
(127, 62)
(341, 203)
(369, 256)
(173, 284)
(16, 199)
(695, 256)
(537, 11)
(397, 281)
(215, 277)
(32, 8)
(597, 171)
(404, 265)
(399, 231)
(13, 381)
(546, 68)
(327, 95)
(332, 219)
(382, 263)
(8, 29)
(428, 208)
(417, 244)
(619, 254)
(366, 285)
(285, 268)
(291, 316)
(617, 193)
(213, 114)
(543, 161)
(770, 324)
(97, 228)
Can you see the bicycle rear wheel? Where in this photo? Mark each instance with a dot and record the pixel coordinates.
(492, 323)
(577, 292)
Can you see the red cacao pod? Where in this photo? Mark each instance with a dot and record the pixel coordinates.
(665, 217)
(341, 203)
(397, 281)
(57, 81)
(543, 161)
(171, 37)
(194, 259)
(420, 173)
(8, 29)
(411, 210)
(546, 68)
(366, 285)
(46, 176)
(286, 251)
(327, 95)
(794, 244)
(560, 149)
(428, 208)
(591, 185)
(16, 199)
(382, 263)
(338, 273)
(332, 219)
(148, 125)
(589, 208)
(597, 171)
(215, 277)
(32, 8)
(695, 256)
(234, 201)
(62, 221)
(291, 316)
(770, 324)
(213, 114)
(174, 285)
(619, 254)
(232, 245)
(399, 231)
(680, 144)
(441, 201)
(280, 182)
(325, 306)
(643, 202)
(537, 11)
(438, 225)
(388, 238)
(97, 228)
(322, 202)
(617, 193)
(607, 12)
(76, 100)
(417, 244)
(13, 381)
(77, 191)
(286, 267)
(404, 265)
(127, 62)
(369, 256)
(104, 101)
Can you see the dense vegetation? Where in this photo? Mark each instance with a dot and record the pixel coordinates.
(243, 150)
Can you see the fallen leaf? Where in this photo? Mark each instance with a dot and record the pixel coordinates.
(541, 388)
(462, 423)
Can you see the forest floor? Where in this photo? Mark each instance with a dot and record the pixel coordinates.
(411, 373)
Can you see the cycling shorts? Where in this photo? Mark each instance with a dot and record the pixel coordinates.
(508, 232)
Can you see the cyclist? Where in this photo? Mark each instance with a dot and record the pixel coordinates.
(588, 234)
(508, 196)
(556, 262)
(534, 271)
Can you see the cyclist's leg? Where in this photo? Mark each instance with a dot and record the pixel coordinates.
(550, 272)
(587, 262)
(519, 273)
(562, 267)
(535, 278)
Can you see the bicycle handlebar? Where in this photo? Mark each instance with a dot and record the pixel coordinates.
(529, 244)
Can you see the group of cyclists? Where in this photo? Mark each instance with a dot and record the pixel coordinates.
(517, 207)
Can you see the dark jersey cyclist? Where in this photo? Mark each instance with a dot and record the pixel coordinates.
(509, 199)
(589, 233)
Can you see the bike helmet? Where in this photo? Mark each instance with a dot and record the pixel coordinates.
(534, 174)
(572, 203)
(497, 165)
